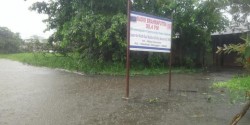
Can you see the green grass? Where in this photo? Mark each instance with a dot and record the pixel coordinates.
(237, 86)
(73, 63)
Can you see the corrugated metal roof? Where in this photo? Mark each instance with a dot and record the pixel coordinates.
(232, 30)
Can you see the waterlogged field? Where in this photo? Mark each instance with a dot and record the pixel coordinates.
(36, 96)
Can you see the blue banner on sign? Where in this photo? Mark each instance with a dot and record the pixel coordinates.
(151, 48)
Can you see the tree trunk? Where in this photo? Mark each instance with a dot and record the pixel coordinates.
(238, 116)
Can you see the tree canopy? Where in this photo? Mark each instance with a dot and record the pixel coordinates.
(240, 10)
(97, 29)
(9, 41)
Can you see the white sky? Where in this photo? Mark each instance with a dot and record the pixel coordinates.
(15, 15)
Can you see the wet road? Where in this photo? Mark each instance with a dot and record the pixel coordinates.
(41, 96)
(32, 95)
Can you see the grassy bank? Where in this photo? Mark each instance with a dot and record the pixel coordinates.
(238, 86)
(73, 63)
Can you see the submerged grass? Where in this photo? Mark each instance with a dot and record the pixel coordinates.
(239, 87)
(73, 63)
(236, 84)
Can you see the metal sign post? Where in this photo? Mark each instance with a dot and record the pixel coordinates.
(170, 74)
(170, 55)
(128, 51)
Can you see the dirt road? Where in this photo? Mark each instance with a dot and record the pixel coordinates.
(41, 96)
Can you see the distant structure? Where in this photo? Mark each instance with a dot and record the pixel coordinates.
(34, 44)
(230, 35)
(36, 38)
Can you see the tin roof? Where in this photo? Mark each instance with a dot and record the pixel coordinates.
(233, 30)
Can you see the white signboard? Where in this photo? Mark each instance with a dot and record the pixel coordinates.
(150, 33)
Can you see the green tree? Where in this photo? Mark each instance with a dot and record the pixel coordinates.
(195, 21)
(97, 29)
(240, 11)
(9, 41)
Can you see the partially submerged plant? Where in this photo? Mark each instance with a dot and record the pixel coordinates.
(242, 49)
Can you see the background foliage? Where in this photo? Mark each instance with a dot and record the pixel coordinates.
(97, 29)
(9, 41)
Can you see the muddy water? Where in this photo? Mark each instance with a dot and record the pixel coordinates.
(41, 96)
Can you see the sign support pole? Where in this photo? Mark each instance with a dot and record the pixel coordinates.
(128, 51)
(170, 55)
(170, 74)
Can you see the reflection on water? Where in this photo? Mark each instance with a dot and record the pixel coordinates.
(36, 95)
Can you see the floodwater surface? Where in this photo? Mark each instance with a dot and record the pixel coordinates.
(41, 96)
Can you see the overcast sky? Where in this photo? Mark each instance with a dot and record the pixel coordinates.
(15, 15)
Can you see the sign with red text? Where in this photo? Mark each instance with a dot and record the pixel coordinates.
(150, 33)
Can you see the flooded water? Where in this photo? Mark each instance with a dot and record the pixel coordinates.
(41, 96)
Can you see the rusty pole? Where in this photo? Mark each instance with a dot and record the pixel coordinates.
(170, 55)
(128, 51)
(170, 74)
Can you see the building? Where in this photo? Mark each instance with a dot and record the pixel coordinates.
(231, 35)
